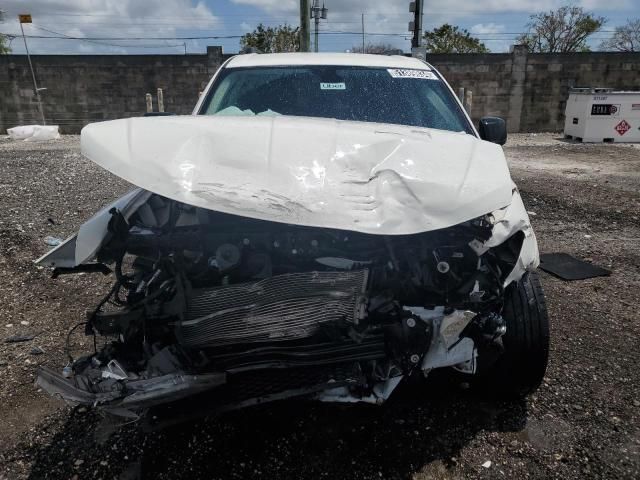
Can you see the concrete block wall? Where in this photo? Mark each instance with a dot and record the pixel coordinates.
(488, 76)
(528, 90)
(550, 76)
(88, 88)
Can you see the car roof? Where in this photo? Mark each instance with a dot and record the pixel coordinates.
(347, 59)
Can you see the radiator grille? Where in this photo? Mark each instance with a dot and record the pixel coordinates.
(284, 307)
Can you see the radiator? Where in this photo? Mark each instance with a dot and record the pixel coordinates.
(284, 307)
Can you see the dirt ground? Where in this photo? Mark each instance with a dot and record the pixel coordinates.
(584, 421)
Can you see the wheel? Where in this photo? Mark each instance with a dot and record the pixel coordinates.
(520, 368)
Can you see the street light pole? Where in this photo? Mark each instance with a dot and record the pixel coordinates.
(304, 25)
(27, 19)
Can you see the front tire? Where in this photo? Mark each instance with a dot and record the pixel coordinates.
(521, 367)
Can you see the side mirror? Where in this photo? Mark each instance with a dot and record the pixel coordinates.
(493, 129)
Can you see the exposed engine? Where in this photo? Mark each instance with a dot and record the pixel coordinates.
(250, 310)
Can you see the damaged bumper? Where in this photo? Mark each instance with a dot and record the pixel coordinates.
(269, 311)
(122, 395)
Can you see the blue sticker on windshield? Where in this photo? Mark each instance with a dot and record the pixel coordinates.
(410, 73)
(332, 86)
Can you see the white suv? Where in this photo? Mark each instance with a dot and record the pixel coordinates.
(323, 226)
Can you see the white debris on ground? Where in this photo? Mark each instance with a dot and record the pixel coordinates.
(34, 133)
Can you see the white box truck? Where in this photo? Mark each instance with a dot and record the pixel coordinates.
(602, 115)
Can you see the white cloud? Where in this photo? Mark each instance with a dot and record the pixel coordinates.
(463, 7)
(106, 18)
(272, 6)
(493, 35)
(485, 28)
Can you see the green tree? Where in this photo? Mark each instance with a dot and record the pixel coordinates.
(283, 38)
(561, 31)
(378, 49)
(4, 48)
(451, 39)
(625, 39)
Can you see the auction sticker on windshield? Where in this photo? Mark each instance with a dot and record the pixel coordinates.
(408, 73)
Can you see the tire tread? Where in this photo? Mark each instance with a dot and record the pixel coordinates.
(521, 368)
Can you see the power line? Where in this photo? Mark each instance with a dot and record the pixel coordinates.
(208, 37)
(96, 42)
(204, 37)
(217, 37)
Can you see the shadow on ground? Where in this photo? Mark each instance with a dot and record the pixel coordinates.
(417, 426)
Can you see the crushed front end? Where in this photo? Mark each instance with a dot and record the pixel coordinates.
(239, 311)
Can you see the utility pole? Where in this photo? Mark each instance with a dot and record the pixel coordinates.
(416, 7)
(363, 47)
(317, 13)
(304, 25)
(315, 35)
(26, 18)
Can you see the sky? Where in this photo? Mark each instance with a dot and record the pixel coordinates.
(495, 22)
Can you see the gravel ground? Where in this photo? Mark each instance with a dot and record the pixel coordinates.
(582, 423)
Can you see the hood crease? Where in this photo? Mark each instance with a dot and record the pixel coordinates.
(366, 177)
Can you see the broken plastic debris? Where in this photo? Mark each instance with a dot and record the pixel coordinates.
(52, 241)
(487, 464)
(566, 267)
(114, 370)
(19, 338)
(342, 263)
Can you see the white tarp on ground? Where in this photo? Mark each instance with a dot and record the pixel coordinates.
(34, 133)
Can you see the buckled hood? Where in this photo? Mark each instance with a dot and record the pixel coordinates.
(365, 177)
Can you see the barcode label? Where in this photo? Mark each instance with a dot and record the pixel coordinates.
(409, 73)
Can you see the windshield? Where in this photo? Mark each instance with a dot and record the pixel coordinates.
(386, 95)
